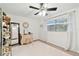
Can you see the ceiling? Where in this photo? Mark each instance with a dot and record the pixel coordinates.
(22, 9)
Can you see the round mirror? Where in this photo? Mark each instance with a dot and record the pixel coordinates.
(25, 25)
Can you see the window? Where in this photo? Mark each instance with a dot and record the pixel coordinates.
(57, 25)
(61, 27)
(51, 27)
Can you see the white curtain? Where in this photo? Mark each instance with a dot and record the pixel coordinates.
(73, 45)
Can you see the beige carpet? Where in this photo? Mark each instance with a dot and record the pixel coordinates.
(37, 49)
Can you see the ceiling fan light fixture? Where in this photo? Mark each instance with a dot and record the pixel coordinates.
(42, 13)
(45, 5)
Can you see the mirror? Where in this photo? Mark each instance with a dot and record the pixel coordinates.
(15, 33)
(25, 26)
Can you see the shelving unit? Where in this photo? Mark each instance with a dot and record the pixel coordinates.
(6, 35)
(0, 31)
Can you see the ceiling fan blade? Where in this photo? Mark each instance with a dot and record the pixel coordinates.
(36, 13)
(33, 7)
(52, 9)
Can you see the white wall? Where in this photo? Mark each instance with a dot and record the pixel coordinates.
(43, 29)
(33, 24)
(58, 38)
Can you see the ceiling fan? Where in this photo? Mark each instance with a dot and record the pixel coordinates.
(43, 9)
